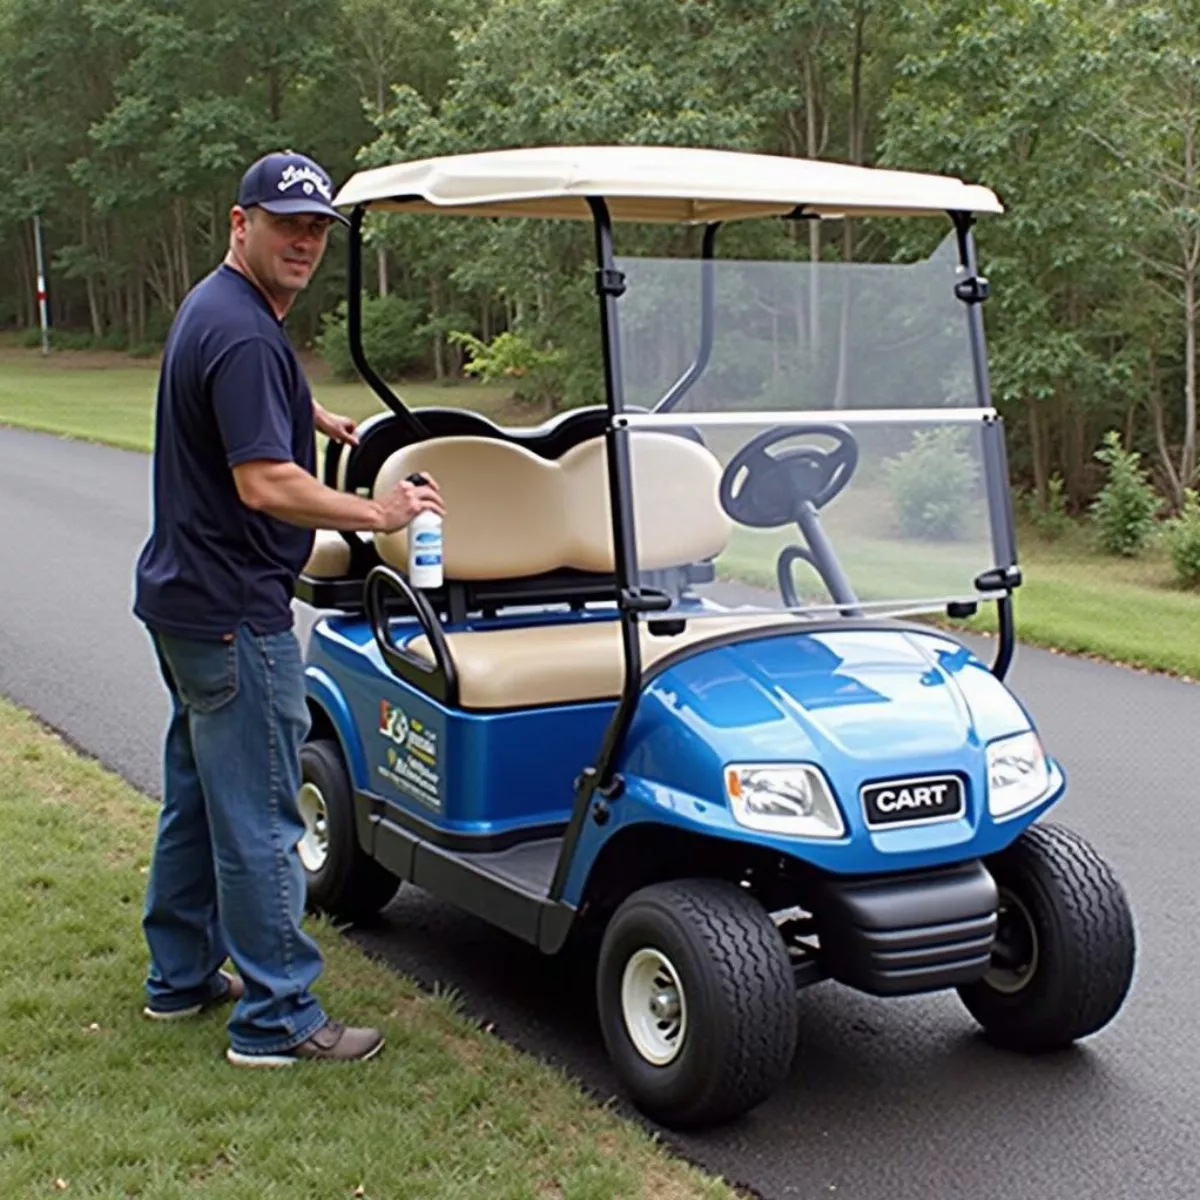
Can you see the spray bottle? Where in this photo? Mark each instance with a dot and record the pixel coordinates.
(424, 545)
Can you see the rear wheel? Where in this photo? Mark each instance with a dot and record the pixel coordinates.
(341, 880)
(1064, 952)
(697, 1001)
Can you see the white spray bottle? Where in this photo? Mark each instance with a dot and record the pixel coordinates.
(424, 545)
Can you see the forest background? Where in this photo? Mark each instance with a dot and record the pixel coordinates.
(127, 123)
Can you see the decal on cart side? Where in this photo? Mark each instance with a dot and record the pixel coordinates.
(412, 760)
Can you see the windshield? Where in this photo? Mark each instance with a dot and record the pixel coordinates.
(795, 335)
(837, 458)
(861, 517)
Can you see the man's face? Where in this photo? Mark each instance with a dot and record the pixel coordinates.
(283, 251)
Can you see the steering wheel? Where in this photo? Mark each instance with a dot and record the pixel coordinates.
(776, 485)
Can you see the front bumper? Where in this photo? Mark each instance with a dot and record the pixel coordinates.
(905, 934)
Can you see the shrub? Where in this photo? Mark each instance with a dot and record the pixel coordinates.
(537, 376)
(390, 334)
(1125, 507)
(1051, 520)
(1182, 537)
(934, 484)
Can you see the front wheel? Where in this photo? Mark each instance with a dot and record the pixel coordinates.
(1063, 958)
(697, 1001)
(341, 880)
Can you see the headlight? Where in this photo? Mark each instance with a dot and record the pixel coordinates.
(789, 799)
(1018, 773)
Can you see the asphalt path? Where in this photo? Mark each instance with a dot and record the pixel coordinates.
(888, 1100)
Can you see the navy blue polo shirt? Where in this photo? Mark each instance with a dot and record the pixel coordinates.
(231, 390)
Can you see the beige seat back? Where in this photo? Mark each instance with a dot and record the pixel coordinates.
(511, 513)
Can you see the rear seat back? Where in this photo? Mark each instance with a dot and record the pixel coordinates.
(512, 514)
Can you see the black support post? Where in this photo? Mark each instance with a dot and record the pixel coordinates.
(597, 786)
(354, 330)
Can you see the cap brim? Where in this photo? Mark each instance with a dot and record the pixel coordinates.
(284, 207)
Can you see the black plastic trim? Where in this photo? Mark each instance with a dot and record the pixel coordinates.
(439, 678)
(344, 594)
(555, 587)
(535, 919)
(973, 290)
(1008, 637)
(333, 455)
(384, 437)
(610, 282)
(907, 934)
(464, 843)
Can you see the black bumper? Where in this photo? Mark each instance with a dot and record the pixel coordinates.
(903, 934)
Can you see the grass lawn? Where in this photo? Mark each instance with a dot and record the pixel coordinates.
(95, 1101)
(1122, 610)
(1073, 599)
(106, 397)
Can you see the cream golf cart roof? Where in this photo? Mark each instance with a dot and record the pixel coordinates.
(654, 183)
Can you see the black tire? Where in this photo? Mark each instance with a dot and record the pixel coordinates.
(739, 994)
(349, 885)
(1065, 948)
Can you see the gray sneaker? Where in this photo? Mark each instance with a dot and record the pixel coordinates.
(333, 1042)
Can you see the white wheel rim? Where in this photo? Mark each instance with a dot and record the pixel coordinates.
(654, 1006)
(314, 843)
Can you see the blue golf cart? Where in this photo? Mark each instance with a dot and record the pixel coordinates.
(685, 691)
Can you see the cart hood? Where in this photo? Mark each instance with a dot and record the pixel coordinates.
(860, 702)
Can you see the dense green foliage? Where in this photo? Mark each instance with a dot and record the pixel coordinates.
(932, 484)
(127, 122)
(392, 328)
(1125, 507)
(1182, 535)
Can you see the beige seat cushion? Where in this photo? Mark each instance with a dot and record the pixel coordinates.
(510, 513)
(678, 516)
(504, 507)
(330, 557)
(560, 664)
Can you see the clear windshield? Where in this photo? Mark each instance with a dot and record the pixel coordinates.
(861, 517)
(838, 460)
(795, 336)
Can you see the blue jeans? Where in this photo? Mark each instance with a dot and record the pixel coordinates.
(225, 878)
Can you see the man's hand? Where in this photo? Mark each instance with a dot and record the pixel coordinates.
(337, 429)
(405, 500)
(288, 492)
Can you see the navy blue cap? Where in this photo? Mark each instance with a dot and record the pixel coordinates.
(284, 182)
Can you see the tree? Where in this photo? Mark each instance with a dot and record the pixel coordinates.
(1153, 132)
(999, 94)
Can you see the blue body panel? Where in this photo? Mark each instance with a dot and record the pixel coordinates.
(473, 773)
(863, 704)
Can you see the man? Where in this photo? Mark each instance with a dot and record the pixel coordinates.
(235, 503)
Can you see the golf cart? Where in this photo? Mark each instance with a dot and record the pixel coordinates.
(684, 687)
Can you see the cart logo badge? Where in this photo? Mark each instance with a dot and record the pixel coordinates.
(902, 801)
